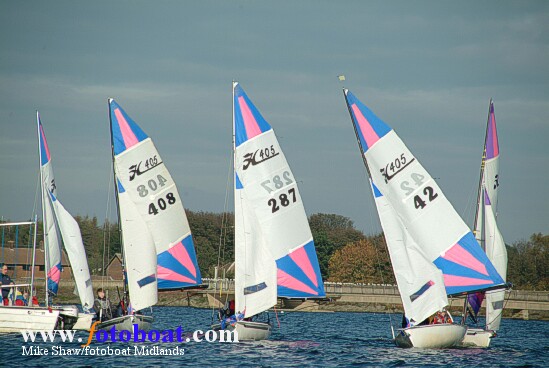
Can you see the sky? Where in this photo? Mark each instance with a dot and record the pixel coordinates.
(427, 68)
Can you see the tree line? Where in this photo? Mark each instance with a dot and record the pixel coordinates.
(345, 254)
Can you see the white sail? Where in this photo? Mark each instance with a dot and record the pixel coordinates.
(139, 254)
(150, 187)
(417, 200)
(254, 265)
(497, 253)
(486, 229)
(52, 237)
(275, 253)
(72, 240)
(419, 282)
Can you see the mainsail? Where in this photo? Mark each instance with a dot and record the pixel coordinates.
(486, 229)
(424, 212)
(61, 228)
(52, 237)
(149, 187)
(274, 248)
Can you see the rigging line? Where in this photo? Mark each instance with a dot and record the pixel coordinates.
(223, 232)
(106, 228)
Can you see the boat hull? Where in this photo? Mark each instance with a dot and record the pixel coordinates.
(477, 337)
(144, 323)
(430, 336)
(247, 330)
(16, 319)
(84, 321)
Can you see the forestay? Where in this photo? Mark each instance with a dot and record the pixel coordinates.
(424, 211)
(274, 248)
(151, 189)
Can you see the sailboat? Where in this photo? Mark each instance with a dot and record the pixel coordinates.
(157, 243)
(489, 237)
(60, 228)
(274, 249)
(14, 318)
(422, 230)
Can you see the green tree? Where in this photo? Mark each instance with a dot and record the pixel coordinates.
(330, 233)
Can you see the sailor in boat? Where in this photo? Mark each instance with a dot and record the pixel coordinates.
(21, 298)
(5, 280)
(438, 318)
(102, 306)
(227, 310)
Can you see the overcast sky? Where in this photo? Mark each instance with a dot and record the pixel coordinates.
(427, 68)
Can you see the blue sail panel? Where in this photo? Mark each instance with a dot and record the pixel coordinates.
(178, 266)
(298, 274)
(369, 127)
(466, 267)
(248, 122)
(125, 132)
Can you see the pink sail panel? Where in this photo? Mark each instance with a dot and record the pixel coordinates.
(492, 145)
(369, 134)
(283, 279)
(54, 274)
(127, 134)
(252, 128)
(452, 280)
(300, 257)
(180, 253)
(167, 274)
(459, 255)
(44, 147)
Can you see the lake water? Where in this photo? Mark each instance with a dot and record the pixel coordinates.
(303, 340)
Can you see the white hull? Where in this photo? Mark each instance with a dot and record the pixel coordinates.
(430, 336)
(477, 337)
(144, 323)
(249, 330)
(84, 321)
(16, 319)
(68, 314)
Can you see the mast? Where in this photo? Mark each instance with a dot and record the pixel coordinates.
(234, 185)
(31, 293)
(46, 257)
(482, 165)
(120, 238)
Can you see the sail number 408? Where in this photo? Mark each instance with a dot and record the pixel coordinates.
(162, 204)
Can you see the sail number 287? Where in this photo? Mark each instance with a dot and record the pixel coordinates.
(284, 199)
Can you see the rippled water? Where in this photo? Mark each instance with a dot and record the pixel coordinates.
(304, 339)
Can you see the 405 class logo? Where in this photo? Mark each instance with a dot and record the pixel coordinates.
(150, 163)
(394, 167)
(260, 155)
